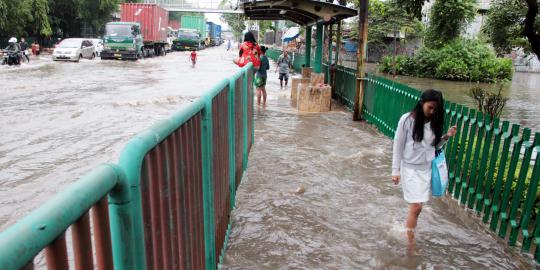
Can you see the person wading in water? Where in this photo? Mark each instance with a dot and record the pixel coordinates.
(418, 135)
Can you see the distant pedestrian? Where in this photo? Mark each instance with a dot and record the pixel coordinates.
(24, 47)
(418, 135)
(249, 52)
(283, 65)
(228, 45)
(193, 58)
(261, 76)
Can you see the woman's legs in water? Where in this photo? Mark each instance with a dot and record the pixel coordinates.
(412, 221)
(259, 90)
(263, 90)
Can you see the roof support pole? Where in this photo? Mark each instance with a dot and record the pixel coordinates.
(328, 70)
(360, 57)
(308, 47)
(319, 50)
(338, 47)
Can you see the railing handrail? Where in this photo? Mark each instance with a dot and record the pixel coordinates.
(22, 241)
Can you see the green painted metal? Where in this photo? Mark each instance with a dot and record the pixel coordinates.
(34, 232)
(506, 136)
(308, 46)
(518, 193)
(317, 65)
(497, 132)
(529, 202)
(208, 191)
(122, 184)
(327, 68)
(477, 145)
(481, 181)
(245, 120)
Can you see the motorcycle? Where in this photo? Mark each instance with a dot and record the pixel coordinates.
(11, 58)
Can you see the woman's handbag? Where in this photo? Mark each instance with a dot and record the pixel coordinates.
(439, 175)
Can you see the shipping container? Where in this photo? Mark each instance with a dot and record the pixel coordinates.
(195, 22)
(174, 24)
(152, 18)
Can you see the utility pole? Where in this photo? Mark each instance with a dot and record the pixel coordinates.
(362, 41)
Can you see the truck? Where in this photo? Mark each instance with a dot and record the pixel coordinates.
(187, 39)
(141, 32)
(214, 34)
(190, 24)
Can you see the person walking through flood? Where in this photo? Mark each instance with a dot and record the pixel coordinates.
(261, 76)
(193, 58)
(283, 64)
(418, 135)
(249, 52)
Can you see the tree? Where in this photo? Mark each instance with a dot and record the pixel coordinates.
(385, 17)
(448, 19)
(504, 26)
(236, 22)
(96, 13)
(530, 27)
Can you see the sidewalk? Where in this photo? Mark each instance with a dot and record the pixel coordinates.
(318, 195)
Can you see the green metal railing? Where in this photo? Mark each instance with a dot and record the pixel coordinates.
(491, 165)
(169, 198)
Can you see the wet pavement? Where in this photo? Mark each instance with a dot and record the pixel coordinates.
(317, 195)
(61, 119)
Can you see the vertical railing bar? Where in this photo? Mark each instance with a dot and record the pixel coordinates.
(102, 236)
(82, 243)
(56, 254)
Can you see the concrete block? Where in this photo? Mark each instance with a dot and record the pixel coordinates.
(314, 98)
(317, 78)
(296, 80)
(306, 72)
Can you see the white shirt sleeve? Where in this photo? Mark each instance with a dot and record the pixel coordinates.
(399, 145)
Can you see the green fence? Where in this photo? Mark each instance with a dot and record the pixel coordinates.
(167, 203)
(494, 165)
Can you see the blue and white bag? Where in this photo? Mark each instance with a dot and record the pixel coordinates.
(439, 175)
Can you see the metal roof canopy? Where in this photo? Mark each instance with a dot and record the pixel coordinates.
(302, 12)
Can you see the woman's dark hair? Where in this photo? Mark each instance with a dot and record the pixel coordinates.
(250, 37)
(436, 121)
(263, 49)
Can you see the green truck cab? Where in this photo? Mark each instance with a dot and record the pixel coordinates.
(122, 40)
(188, 39)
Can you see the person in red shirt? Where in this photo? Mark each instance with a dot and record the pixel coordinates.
(193, 57)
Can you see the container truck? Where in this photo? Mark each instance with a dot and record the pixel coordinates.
(188, 39)
(195, 22)
(214, 34)
(141, 32)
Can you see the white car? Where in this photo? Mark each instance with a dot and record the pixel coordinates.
(98, 44)
(73, 49)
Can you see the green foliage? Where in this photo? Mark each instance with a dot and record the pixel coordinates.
(447, 20)
(462, 60)
(384, 18)
(503, 25)
(48, 17)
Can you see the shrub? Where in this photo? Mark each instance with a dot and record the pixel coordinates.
(463, 60)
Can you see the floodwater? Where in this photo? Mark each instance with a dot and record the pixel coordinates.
(523, 106)
(318, 195)
(59, 119)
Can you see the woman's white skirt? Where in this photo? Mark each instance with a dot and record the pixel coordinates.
(416, 184)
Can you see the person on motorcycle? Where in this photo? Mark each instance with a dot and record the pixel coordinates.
(24, 47)
(13, 53)
(13, 46)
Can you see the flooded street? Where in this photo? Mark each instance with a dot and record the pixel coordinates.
(523, 92)
(318, 195)
(59, 120)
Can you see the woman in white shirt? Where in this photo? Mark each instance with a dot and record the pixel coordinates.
(418, 135)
